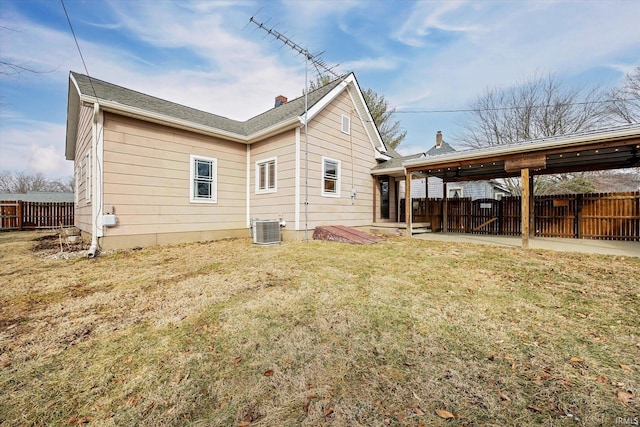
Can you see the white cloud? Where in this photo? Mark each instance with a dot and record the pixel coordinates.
(48, 159)
(370, 64)
(434, 56)
(517, 41)
(34, 146)
(428, 16)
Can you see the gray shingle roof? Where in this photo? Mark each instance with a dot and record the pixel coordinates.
(38, 196)
(131, 98)
(397, 159)
(396, 162)
(444, 149)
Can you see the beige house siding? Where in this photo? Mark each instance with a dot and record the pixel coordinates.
(147, 177)
(356, 156)
(142, 171)
(281, 203)
(82, 213)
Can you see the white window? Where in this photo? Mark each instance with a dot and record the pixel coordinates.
(266, 176)
(203, 179)
(87, 173)
(346, 124)
(455, 192)
(330, 177)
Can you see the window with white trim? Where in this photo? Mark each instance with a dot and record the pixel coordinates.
(203, 183)
(330, 177)
(455, 192)
(346, 124)
(87, 173)
(266, 176)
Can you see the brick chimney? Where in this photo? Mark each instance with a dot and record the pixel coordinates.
(280, 100)
(438, 139)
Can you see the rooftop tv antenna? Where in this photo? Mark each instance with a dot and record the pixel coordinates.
(318, 64)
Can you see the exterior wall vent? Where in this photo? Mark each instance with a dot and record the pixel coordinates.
(266, 232)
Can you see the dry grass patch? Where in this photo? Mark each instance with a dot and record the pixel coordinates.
(399, 333)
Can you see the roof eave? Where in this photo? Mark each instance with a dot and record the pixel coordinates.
(276, 129)
(388, 171)
(552, 142)
(126, 110)
(73, 115)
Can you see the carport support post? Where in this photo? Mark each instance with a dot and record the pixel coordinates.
(524, 175)
(532, 208)
(408, 204)
(445, 208)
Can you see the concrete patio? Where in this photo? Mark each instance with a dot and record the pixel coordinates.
(588, 246)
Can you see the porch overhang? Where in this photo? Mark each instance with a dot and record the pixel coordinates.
(613, 148)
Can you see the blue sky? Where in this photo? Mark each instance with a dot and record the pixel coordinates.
(421, 55)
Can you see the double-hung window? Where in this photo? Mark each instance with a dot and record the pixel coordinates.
(266, 176)
(203, 179)
(330, 177)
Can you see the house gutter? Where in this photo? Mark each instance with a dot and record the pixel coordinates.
(162, 119)
(139, 113)
(275, 129)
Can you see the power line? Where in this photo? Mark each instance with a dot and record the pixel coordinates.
(472, 110)
(79, 50)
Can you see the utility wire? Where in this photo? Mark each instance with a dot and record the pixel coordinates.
(79, 50)
(472, 110)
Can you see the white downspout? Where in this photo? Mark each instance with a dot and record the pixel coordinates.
(95, 193)
(248, 174)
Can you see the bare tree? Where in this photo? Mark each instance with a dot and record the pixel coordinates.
(616, 180)
(10, 68)
(624, 105)
(22, 182)
(538, 108)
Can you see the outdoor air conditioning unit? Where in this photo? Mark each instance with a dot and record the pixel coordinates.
(266, 232)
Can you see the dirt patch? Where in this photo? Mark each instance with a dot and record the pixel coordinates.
(52, 244)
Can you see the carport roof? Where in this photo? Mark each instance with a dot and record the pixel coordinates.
(611, 148)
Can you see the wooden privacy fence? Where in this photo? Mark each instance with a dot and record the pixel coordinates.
(607, 216)
(19, 215)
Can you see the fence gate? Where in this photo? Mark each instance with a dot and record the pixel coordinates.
(8, 215)
(555, 216)
(485, 216)
(459, 215)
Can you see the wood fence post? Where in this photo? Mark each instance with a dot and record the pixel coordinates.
(469, 207)
(19, 213)
(445, 208)
(578, 215)
(532, 208)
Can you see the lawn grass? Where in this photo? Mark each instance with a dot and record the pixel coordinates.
(403, 332)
